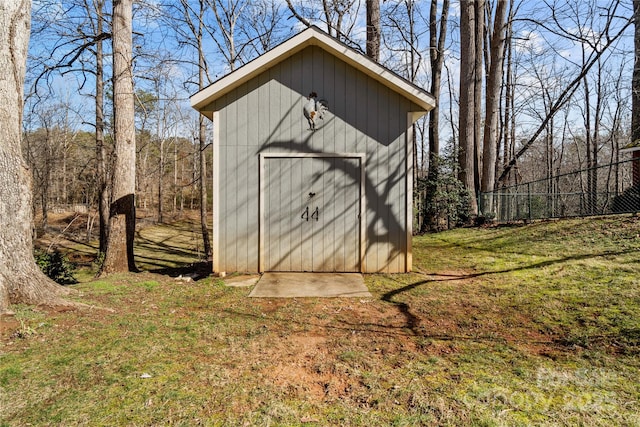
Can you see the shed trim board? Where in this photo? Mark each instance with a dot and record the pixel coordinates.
(216, 193)
(312, 36)
(408, 260)
(263, 157)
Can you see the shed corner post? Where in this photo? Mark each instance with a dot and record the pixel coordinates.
(261, 219)
(412, 116)
(363, 212)
(215, 211)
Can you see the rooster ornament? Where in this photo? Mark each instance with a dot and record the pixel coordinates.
(314, 110)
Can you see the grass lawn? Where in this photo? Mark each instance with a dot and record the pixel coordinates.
(522, 325)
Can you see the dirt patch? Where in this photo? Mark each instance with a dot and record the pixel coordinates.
(294, 361)
(8, 326)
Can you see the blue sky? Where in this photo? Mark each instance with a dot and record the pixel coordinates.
(543, 55)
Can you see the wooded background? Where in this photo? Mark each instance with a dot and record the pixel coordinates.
(525, 90)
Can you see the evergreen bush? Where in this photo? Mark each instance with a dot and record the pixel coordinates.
(56, 266)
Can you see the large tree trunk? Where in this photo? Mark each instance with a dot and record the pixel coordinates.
(122, 221)
(479, 10)
(494, 82)
(373, 29)
(466, 150)
(21, 281)
(103, 188)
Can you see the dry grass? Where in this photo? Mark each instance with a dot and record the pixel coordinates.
(537, 324)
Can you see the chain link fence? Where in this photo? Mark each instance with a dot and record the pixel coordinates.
(607, 189)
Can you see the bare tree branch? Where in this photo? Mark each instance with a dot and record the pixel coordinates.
(563, 98)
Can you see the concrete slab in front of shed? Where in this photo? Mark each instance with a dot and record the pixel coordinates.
(241, 281)
(295, 285)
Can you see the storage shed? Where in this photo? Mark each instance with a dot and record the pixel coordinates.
(312, 161)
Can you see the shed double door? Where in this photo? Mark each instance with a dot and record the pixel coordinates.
(312, 214)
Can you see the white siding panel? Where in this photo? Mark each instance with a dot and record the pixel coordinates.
(297, 200)
(285, 116)
(263, 110)
(328, 92)
(243, 201)
(287, 223)
(350, 111)
(253, 210)
(272, 226)
(230, 217)
(375, 195)
(307, 71)
(298, 95)
(338, 102)
(327, 233)
(395, 168)
(242, 118)
(273, 103)
(252, 113)
(306, 229)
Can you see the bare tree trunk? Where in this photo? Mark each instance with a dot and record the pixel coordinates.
(596, 137)
(635, 93)
(479, 9)
(466, 148)
(181, 188)
(160, 177)
(437, 37)
(195, 166)
(65, 148)
(509, 92)
(436, 52)
(46, 181)
(122, 221)
(592, 131)
(103, 188)
(161, 119)
(175, 175)
(203, 191)
(373, 29)
(21, 281)
(494, 83)
(455, 133)
(227, 16)
(202, 139)
(636, 168)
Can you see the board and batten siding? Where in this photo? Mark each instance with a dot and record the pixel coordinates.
(264, 115)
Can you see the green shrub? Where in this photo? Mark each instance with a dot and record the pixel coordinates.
(98, 261)
(56, 266)
(447, 203)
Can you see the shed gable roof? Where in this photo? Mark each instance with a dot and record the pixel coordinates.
(312, 36)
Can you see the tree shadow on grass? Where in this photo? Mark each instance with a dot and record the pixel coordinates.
(196, 271)
(413, 321)
(155, 256)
